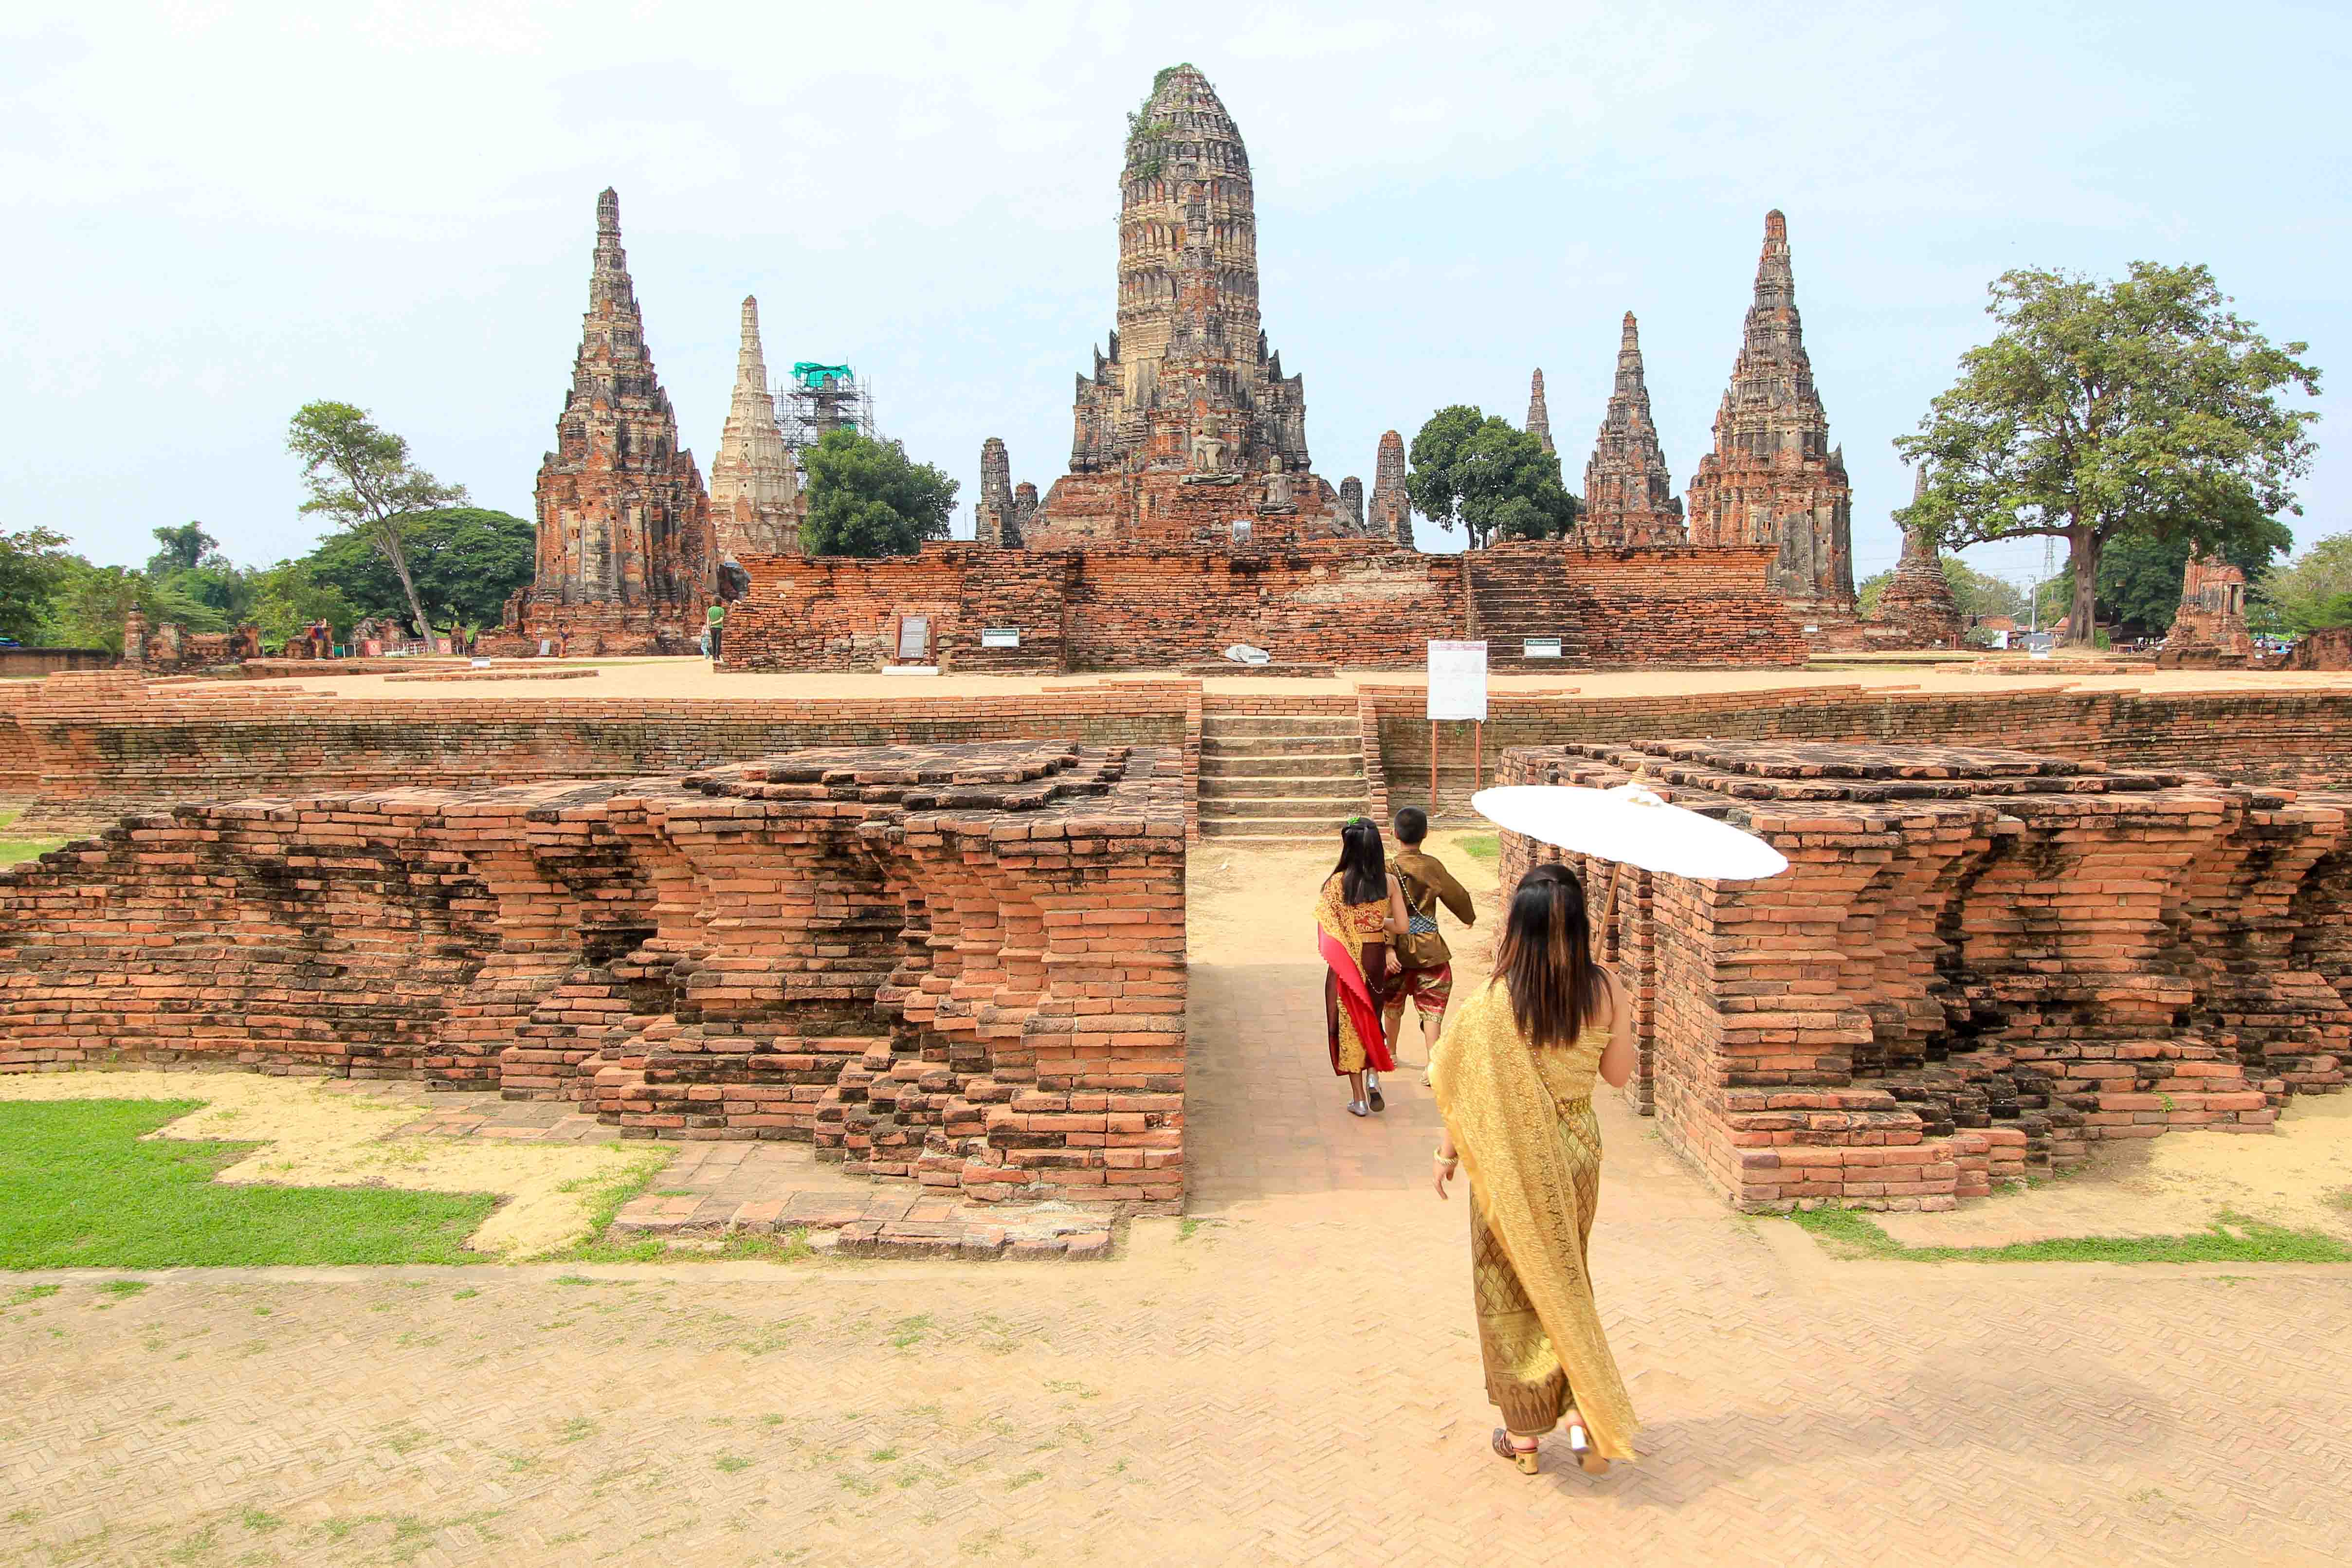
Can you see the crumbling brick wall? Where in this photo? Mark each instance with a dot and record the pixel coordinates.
(1977, 960)
(962, 966)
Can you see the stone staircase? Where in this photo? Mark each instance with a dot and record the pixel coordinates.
(1268, 777)
(1519, 597)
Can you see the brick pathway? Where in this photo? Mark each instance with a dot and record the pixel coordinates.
(1288, 1377)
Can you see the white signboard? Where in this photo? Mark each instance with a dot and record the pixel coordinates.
(1000, 636)
(1457, 680)
(1539, 647)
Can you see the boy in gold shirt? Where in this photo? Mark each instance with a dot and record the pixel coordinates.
(1426, 964)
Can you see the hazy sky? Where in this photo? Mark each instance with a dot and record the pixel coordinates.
(218, 212)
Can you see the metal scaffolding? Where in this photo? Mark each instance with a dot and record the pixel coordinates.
(817, 398)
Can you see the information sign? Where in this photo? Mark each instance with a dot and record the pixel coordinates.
(1457, 680)
(1000, 636)
(1539, 647)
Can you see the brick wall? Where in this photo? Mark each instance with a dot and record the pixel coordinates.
(1614, 608)
(17, 662)
(962, 966)
(1978, 961)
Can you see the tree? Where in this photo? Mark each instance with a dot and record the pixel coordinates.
(360, 476)
(463, 562)
(868, 498)
(33, 563)
(90, 604)
(289, 598)
(2139, 577)
(1489, 476)
(2103, 411)
(185, 548)
(2315, 591)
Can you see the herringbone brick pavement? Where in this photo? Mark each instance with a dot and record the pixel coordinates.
(1289, 1377)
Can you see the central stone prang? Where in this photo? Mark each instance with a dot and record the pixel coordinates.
(962, 966)
(1978, 960)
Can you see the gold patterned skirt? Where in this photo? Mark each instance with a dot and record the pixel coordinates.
(1525, 1379)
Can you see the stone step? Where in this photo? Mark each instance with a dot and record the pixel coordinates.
(1245, 724)
(1329, 812)
(1348, 745)
(1267, 832)
(1293, 789)
(1326, 766)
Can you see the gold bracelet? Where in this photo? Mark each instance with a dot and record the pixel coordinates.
(1443, 1158)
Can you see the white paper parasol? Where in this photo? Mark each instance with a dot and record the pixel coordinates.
(1633, 827)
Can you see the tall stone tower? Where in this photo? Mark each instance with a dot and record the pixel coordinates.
(1773, 478)
(755, 493)
(1539, 415)
(998, 518)
(1391, 517)
(1351, 503)
(1628, 494)
(627, 559)
(1189, 421)
(1917, 601)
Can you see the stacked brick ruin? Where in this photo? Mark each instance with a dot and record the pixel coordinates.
(170, 649)
(627, 560)
(1540, 413)
(1339, 602)
(1980, 961)
(1351, 502)
(961, 965)
(1392, 513)
(1188, 427)
(1773, 478)
(1916, 609)
(1629, 496)
(755, 493)
(997, 518)
(2210, 627)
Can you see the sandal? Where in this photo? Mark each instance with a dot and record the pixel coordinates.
(1527, 1459)
(1372, 1091)
(1579, 1443)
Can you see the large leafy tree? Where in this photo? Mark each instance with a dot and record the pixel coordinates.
(33, 563)
(183, 549)
(2313, 592)
(2139, 577)
(1485, 474)
(462, 563)
(360, 475)
(2101, 411)
(868, 498)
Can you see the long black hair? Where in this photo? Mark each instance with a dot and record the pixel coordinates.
(1363, 867)
(1546, 960)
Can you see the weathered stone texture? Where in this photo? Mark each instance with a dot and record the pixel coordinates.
(997, 521)
(2212, 614)
(1539, 414)
(755, 494)
(1978, 962)
(627, 560)
(1351, 502)
(962, 966)
(1188, 424)
(1629, 496)
(1916, 609)
(1392, 513)
(1773, 478)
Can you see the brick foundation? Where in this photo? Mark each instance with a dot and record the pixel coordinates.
(959, 965)
(1979, 960)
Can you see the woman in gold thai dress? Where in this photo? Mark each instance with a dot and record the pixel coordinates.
(1361, 906)
(1513, 1075)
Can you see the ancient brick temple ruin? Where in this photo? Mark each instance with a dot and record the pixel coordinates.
(1773, 478)
(755, 494)
(1189, 424)
(1391, 510)
(2210, 625)
(1629, 496)
(628, 562)
(1979, 963)
(997, 520)
(1539, 415)
(959, 964)
(1916, 609)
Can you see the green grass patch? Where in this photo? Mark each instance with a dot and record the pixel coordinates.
(607, 1194)
(11, 850)
(1481, 846)
(2232, 1238)
(79, 1190)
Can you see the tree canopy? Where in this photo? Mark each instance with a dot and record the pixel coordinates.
(868, 498)
(463, 562)
(33, 561)
(360, 476)
(2100, 411)
(1485, 473)
(2312, 592)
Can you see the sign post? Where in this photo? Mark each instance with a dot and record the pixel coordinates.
(1457, 690)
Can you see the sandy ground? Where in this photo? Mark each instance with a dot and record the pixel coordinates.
(639, 679)
(318, 1137)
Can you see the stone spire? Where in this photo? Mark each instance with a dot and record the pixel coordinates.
(1391, 515)
(1024, 508)
(1540, 417)
(2212, 613)
(622, 520)
(755, 499)
(997, 522)
(1917, 600)
(1351, 503)
(1628, 494)
(1190, 390)
(1773, 478)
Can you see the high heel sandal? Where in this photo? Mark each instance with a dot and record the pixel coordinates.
(1580, 1443)
(1527, 1459)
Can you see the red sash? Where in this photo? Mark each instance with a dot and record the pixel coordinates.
(1357, 998)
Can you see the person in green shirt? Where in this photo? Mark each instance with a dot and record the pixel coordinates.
(713, 622)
